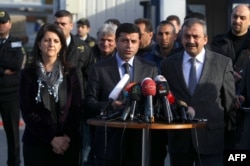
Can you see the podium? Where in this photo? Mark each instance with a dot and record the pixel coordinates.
(146, 127)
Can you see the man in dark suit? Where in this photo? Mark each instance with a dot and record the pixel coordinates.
(103, 78)
(210, 92)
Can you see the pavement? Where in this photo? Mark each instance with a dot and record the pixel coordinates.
(3, 143)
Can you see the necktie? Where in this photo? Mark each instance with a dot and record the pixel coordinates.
(192, 76)
(126, 67)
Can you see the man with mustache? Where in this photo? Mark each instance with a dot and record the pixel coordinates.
(204, 80)
(235, 45)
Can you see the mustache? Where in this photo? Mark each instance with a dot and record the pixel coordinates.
(191, 45)
(237, 24)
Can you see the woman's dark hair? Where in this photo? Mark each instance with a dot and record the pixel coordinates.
(36, 52)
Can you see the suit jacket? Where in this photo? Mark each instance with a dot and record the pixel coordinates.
(40, 127)
(104, 75)
(212, 99)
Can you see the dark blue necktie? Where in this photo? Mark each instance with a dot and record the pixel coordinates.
(126, 68)
(192, 82)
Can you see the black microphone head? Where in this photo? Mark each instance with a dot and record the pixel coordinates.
(136, 92)
(181, 109)
(162, 88)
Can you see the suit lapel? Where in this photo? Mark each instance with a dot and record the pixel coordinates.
(112, 68)
(206, 69)
(179, 71)
(138, 70)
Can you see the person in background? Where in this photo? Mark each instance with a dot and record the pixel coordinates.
(165, 43)
(235, 45)
(146, 42)
(50, 103)
(175, 20)
(81, 56)
(83, 29)
(78, 52)
(12, 57)
(113, 21)
(195, 15)
(106, 45)
(104, 76)
(242, 102)
(204, 80)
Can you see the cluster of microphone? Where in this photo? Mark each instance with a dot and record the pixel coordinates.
(148, 101)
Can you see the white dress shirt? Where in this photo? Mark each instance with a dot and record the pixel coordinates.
(186, 65)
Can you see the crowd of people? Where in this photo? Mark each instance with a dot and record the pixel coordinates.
(70, 77)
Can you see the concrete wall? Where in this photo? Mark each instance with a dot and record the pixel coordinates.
(97, 11)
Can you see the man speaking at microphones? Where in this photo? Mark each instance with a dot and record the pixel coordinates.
(203, 80)
(103, 77)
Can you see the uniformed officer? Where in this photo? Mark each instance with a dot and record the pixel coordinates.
(83, 29)
(80, 55)
(11, 60)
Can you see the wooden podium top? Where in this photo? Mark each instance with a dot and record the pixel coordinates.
(142, 125)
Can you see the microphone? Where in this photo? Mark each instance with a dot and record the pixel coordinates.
(162, 92)
(135, 95)
(186, 113)
(181, 111)
(114, 94)
(127, 107)
(170, 97)
(149, 90)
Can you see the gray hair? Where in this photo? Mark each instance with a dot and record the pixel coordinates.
(191, 21)
(106, 29)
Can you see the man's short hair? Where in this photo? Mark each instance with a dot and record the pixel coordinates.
(63, 13)
(113, 21)
(127, 28)
(84, 21)
(147, 22)
(172, 18)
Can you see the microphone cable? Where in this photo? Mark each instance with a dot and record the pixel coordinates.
(121, 143)
(197, 144)
(106, 137)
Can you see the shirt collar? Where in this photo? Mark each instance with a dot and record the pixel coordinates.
(120, 62)
(200, 57)
(68, 40)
